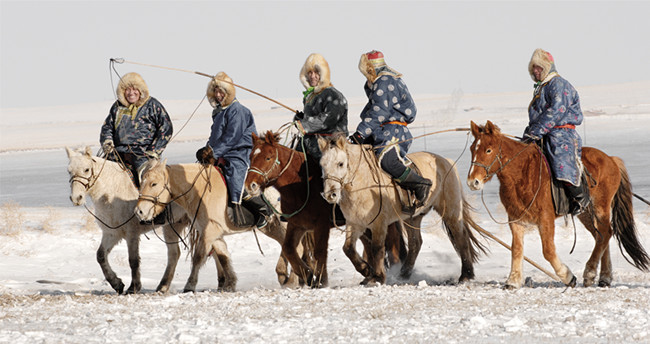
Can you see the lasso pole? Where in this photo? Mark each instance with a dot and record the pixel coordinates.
(121, 60)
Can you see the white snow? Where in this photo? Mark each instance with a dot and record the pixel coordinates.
(52, 290)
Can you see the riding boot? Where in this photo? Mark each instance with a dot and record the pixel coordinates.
(578, 197)
(410, 180)
(238, 216)
(259, 209)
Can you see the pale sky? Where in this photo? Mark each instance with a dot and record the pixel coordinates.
(57, 53)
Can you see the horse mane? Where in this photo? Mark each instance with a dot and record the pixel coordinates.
(271, 137)
(147, 166)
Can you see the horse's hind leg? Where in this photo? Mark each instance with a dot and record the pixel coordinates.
(601, 231)
(223, 256)
(108, 242)
(133, 246)
(289, 249)
(547, 234)
(414, 244)
(173, 254)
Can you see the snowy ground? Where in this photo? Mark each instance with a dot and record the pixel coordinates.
(52, 290)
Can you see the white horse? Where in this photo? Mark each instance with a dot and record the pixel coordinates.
(202, 193)
(114, 196)
(370, 199)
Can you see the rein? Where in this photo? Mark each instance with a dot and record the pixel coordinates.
(276, 163)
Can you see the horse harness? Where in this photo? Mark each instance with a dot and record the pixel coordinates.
(275, 164)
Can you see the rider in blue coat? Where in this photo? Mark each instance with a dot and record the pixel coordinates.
(553, 115)
(231, 143)
(384, 121)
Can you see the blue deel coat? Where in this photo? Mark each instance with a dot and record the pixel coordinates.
(389, 100)
(231, 139)
(555, 104)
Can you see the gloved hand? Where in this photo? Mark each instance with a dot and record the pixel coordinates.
(356, 138)
(204, 156)
(527, 139)
(108, 146)
(298, 116)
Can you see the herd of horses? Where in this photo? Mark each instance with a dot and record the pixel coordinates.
(303, 194)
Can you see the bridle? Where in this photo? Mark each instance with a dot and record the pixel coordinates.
(88, 182)
(497, 158)
(275, 164)
(156, 199)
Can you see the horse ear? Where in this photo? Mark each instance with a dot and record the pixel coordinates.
(341, 141)
(491, 128)
(475, 129)
(68, 151)
(322, 143)
(88, 151)
(255, 138)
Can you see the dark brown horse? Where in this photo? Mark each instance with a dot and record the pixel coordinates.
(525, 193)
(300, 185)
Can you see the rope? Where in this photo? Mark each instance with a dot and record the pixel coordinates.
(122, 60)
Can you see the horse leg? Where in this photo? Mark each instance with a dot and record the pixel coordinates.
(601, 231)
(201, 250)
(378, 252)
(321, 239)
(133, 247)
(515, 279)
(414, 244)
(277, 232)
(289, 249)
(352, 234)
(108, 242)
(547, 234)
(223, 256)
(173, 254)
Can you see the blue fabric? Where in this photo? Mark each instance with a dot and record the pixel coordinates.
(388, 100)
(149, 131)
(231, 139)
(556, 103)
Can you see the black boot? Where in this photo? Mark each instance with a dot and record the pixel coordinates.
(412, 181)
(259, 209)
(578, 197)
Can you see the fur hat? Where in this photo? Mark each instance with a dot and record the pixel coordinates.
(372, 65)
(543, 59)
(224, 82)
(132, 80)
(316, 62)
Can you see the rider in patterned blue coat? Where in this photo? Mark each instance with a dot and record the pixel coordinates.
(384, 121)
(553, 116)
(231, 143)
(137, 127)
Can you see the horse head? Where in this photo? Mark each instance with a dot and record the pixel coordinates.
(486, 152)
(334, 163)
(82, 173)
(265, 165)
(154, 190)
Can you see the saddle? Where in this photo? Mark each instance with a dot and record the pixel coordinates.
(561, 199)
(407, 197)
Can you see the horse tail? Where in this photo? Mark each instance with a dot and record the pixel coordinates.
(623, 224)
(476, 248)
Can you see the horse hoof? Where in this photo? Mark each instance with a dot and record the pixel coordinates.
(120, 288)
(604, 284)
(188, 290)
(573, 282)
(510, 287)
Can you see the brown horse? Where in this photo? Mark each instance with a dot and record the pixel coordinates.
(300, 185)
(525, 192)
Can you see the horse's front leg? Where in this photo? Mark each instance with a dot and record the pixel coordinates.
(108, 242)
(277, 232)
(547, 233)
(133, 247)
(201, 251)
(227, 275)
(515, 279)
(378, 252)
(321, 239)
(352, 234)
(173, 254)
(289, 249)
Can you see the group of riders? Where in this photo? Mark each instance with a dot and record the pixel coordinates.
(138, 127)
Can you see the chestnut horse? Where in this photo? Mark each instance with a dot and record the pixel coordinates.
(525, 192)
(370, 199)
(300, 185)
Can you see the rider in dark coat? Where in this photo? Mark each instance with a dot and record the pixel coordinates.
(553, 116)
(325, 108)
(231, 143)
(384, 121)
(137, 127)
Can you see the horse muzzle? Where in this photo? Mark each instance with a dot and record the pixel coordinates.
(77, 200)
(144, 213)
(253, 189)
(332, 197)
(475, 184)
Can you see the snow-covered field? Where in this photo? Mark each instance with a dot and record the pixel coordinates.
(52, 290)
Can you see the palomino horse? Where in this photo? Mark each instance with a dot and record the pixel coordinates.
(525, 193)
(201, 192)
(114, 196)
(299, 183)
(369, 199)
